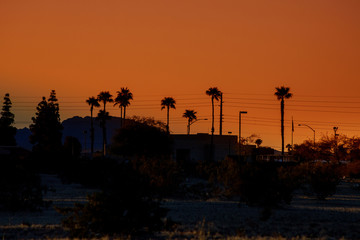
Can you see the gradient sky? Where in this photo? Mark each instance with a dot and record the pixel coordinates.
(163, 48)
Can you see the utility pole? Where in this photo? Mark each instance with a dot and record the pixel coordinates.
(292, 133)
(335, 138)
(221, 113)
(241, 112)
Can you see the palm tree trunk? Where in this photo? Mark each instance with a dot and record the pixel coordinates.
(212, 132)
(104, 138)
(188, 127)
(104, 131)
(121, 116)
(212, 122)
(124, 116)
(92, 131)
(282, 127)
(167, 122)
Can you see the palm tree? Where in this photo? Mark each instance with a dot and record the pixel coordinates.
(93, 102)
(191, 116)
(123, 100)
(214, 93)
(282, 93)
(104, 97)
(168, 102)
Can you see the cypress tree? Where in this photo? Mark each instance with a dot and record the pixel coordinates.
(46, 128)
(7, 119)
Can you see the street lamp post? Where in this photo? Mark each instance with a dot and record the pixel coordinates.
(193, 123)
(311, 129)
(241, 112)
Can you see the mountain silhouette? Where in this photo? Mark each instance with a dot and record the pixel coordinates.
(76, 127)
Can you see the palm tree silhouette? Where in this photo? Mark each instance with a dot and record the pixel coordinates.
(282, 93)
(168, 102)
(191, 116)
(104, 97)
(123, 100)
(93, 102)
(214, 93)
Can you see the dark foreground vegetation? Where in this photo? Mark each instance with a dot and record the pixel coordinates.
(136, 173)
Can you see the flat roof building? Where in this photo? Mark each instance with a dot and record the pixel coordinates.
(196, 147)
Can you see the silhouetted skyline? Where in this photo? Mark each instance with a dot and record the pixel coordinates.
(180, 49)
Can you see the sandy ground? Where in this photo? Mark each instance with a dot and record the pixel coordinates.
(337, 217)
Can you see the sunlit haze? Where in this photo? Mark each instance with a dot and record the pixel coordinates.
(179, 49)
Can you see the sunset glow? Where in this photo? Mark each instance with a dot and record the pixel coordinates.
(179, 49)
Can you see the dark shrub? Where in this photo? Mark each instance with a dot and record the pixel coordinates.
(322, 178)
(228, 174)
(124, 206)
(266, 185)
(147, 145)
(20, 189)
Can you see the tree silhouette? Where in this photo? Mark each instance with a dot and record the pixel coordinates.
(258, 142)
(282, 93)
(168, 102)
(104, 97)
(191, 116)
(214, 93)
(7, 119)
(46, 128)
(93, 102)
(123, 100)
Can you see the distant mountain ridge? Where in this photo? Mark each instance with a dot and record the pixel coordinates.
(76, 127)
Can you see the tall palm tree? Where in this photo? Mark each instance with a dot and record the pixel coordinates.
(191, 116)
(282, 93)
(123, 100)
(104, 97)
(93, 102)
(214, 93)
(168, 102)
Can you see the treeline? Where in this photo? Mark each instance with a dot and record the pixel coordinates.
(139, 172)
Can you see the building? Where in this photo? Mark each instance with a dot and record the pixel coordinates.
(196, 147)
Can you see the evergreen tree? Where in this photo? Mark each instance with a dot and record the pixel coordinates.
(7, 119)
(46, 127)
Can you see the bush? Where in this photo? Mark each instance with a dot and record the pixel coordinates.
(263, 184)
(228, 174)
(163, 173)
(352, 169)
(20, 189)
(124, 206)
(321, 178)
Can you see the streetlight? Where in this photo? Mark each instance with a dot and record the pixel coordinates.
(193, 123)
(311, 129)
(229, 142)
(241, 112)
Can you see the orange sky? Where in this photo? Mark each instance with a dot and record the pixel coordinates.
(181, 48)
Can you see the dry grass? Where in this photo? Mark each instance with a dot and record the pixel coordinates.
(306, 218)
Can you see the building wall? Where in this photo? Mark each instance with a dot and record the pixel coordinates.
(196, 148)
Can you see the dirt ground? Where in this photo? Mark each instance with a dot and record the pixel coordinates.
(337, 217)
